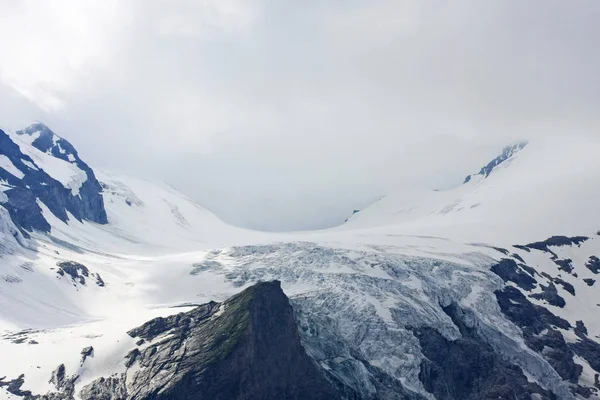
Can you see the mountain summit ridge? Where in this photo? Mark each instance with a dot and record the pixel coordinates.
(507, 153)
(41, 169)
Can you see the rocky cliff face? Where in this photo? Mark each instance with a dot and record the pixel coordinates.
(245, 348)
(46, 168)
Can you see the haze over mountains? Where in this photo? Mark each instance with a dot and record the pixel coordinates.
(115, 287)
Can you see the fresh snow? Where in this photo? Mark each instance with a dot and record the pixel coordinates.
(7, 165)
(29, 164)
(546, 189)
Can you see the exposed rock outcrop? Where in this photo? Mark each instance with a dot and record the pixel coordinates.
(78, 273)
(469, 368)
(507, 153)
(593, 264)
(245, 348)
(29, 183)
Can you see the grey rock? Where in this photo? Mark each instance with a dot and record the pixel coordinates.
(550, 295)
(508, 270)
(36, 185)
(111, 388)
(86, 352)
(78, 272)
(593, 264)
(469, 368)
(245, 348)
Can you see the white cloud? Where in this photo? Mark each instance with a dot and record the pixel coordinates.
(283, 105)
(201, 18)
(48, 46)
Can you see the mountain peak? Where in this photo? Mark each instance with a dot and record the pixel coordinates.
(40, 133)
(33, 176)
(34, 128)
(45, 140)
(507, 153)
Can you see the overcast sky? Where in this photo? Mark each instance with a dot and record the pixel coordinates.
(288, 114)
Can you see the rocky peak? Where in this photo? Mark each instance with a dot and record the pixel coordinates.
(46, 141)
(247, 347)
(43, 137)
(30, 175)
(507, 153)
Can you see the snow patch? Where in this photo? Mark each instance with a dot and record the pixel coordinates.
(8, 165)
(69, 175)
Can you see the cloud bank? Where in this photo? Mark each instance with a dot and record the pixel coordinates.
(288, 115)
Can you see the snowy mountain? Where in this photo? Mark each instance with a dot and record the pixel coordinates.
(37, 166)
(488, 290)
(546, 188)
(507, 154)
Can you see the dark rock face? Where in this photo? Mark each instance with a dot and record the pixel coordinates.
(25, 211)
(501, 250)
(585, 347)
(521, 247)
(37, 184)
(550, 295)
(63, 383)
(557, 241)
(469, 368)
(538, 327)
(245, 348)
(100, 281)
(580, 329)
(14, 386)
(565, 285)
(519, 258)
(559, 281)
(111, 388)
(541, 329)
(589, 281)
(508, 270)
(593, 264)
(86, 352)
(65, 386)
(78, 272)
(564, 265)
(91, 206)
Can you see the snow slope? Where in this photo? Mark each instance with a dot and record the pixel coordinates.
(148, 218)
(547, 188)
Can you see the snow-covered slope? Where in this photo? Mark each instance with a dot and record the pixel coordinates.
(545, 188)
(391, 305)
(148, 218)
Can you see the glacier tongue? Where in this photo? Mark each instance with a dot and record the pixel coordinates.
(357, 310)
